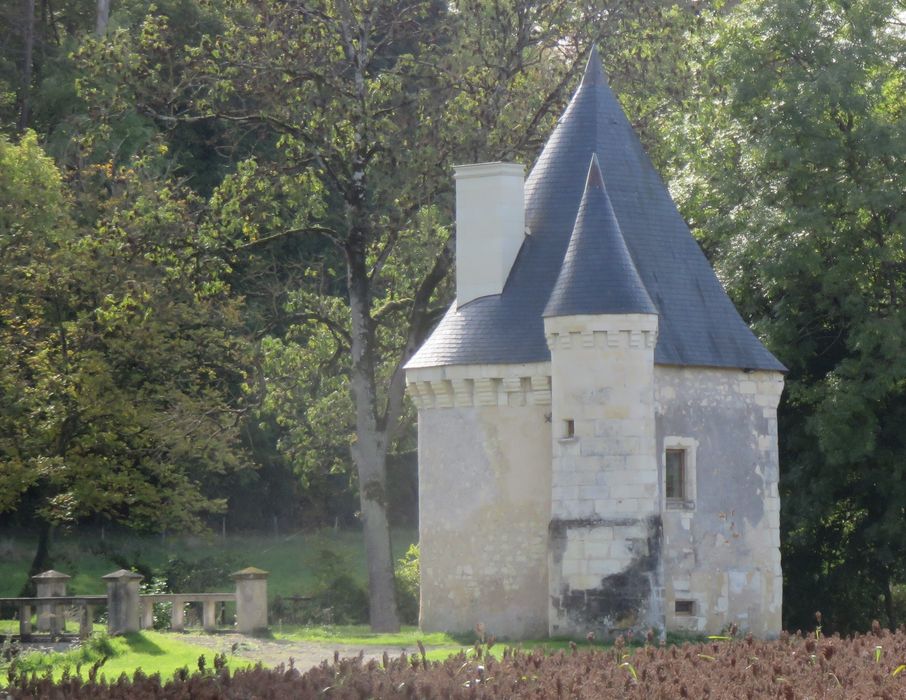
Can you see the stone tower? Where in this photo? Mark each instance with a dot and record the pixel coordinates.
(605, 531)
(597, 424)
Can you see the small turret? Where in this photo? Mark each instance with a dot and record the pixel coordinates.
(601, 328)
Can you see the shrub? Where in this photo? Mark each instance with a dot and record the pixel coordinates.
(162, 611)
(337, 600)
(407, 583)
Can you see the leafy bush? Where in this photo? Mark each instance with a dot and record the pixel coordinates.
(407, 583)
(96, 648)
(162, 611)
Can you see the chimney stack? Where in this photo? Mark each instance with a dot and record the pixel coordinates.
(490, 226)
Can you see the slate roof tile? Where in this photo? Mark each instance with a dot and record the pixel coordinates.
(598, 275)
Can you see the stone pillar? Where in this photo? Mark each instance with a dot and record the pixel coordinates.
(24, 622)
(209, 615)
(86, 622)
(147, 613)
(122, 601)
(251, 600)
(178, 615)
(51, 617)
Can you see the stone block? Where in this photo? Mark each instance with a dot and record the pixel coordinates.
(627, 490)
(50, 584)
(123, 601)
(597, 549)
(599, 568)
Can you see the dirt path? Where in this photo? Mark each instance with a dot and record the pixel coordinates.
(272, 652)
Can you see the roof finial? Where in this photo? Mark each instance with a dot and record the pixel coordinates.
(595, 179)
(594, 71)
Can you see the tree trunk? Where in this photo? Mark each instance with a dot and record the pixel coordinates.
(41, 561)
(28, 29)
(103, 16)
(370, 457)
(369, 452)
(888, 605)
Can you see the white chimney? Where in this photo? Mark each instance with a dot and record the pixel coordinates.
(490, 226)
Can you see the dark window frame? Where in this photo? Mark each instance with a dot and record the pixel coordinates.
(673, 481)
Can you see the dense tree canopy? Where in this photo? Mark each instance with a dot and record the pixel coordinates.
(122, 382)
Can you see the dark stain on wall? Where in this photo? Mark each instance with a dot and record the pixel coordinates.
(621, 601)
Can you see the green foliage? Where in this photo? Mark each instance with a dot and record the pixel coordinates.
(161, 615)
(797, 190)
(145, 653)
(122, 380)
(407, 585)
(206, 574)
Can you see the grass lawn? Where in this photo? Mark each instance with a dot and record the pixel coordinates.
(155, 652)
(361, 635)
(296, 562)
(440, 645)
(152, 652)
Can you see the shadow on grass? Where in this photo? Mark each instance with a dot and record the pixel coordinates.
(140, 644)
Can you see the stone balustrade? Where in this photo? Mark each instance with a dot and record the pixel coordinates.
(129, 611)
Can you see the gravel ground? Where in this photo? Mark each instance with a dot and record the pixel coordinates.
(273, 652)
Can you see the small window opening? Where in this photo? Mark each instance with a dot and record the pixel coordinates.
(684, 607)
(569, 428)
(676, 475)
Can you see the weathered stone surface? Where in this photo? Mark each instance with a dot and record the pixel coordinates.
(251, 600)
(123, 601)
(51, 618)
(484, 481)
(727, 543)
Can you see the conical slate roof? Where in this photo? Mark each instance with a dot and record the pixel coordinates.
(697, 326)
(598, 275)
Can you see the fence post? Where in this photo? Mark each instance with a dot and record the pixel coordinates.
(51, 617)
(251, 599)
(122, 601)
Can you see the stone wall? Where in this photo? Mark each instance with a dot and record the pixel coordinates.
(527, 530)
(605, 544)
(721, 548)
(484, 497)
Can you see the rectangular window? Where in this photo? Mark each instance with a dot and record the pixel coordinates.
(569, 430)
(675, 466)
(684, 607)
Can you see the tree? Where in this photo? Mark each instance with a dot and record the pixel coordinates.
(121, 386)
(796, 187)
(28, 41)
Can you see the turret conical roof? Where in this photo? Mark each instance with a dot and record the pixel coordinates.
(697, 325)
(598, 275)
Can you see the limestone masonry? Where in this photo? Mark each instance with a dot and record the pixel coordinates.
(597, 425)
